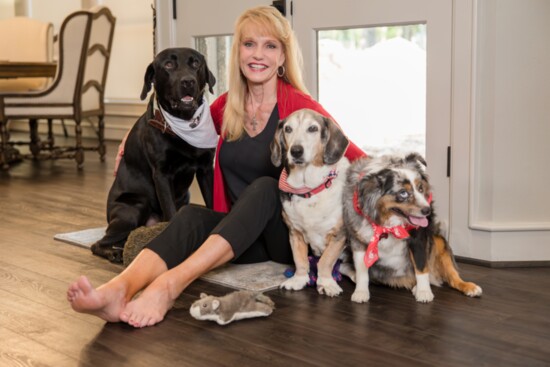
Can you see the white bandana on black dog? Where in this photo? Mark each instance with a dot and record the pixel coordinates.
(199, 131)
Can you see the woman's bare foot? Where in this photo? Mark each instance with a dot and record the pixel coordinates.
(105, 302)
(150, 307)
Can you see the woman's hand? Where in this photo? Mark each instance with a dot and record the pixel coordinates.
(120, 153)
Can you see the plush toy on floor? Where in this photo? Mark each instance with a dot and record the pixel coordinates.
(233, 306)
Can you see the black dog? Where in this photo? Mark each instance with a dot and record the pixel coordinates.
(158, 166)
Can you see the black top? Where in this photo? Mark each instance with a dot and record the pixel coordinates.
(244, 160)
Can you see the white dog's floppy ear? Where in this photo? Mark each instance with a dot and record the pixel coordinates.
(147, 81)
(336, 142)
(204, 295)
(215, 304)
(278, 145)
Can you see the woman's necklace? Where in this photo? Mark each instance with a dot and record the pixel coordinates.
(255, 110)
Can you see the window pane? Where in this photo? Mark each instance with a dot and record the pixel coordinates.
(373, 82)
(216, 50)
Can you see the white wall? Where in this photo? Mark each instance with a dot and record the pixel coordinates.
(7, 9)
(501, 129)
(52, 10)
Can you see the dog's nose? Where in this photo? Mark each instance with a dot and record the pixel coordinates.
(426, 210)
(296, 151)
(188, 82)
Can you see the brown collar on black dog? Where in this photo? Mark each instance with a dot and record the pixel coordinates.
(160, 123)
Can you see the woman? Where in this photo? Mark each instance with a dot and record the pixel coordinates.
(246, 226)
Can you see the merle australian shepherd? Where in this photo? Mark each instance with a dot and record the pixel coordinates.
(392, 229)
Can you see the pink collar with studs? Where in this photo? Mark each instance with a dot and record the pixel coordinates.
(304, 191)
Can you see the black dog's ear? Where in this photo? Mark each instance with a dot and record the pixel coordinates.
(147, 81)
(336, 142)
(278, 145)
(209, 77)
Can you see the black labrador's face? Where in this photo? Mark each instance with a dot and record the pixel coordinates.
(180, 76)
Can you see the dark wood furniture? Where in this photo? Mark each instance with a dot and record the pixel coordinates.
(22, 69)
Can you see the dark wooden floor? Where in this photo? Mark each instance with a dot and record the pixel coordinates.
(508, 326)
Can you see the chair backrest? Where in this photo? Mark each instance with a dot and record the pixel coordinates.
(85, 43)
(25, 39)
(97, 60)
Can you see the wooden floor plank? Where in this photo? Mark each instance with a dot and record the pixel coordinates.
(17, 350)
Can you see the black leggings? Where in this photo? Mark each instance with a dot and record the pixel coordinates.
(254, 228)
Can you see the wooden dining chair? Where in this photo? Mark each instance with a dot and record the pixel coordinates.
(76, 93)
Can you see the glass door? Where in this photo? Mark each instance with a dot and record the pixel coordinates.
(382, 68)
(376, 75)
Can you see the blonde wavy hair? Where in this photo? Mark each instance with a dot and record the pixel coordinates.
(269, 21)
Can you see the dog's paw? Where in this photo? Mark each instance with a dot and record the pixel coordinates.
(423, 295)
(115, 256)
(348, 270)
(102, 251)
(295, 283)
(360, 296)
(328, 286)
(472, 290)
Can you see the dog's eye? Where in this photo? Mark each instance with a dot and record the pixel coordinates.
(403, 194)
(288, 129)
(195, 64)
(420, 188)
(169, 65)
(312, 129)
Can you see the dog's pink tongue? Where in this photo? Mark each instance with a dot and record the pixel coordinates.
(187, 99)
(419, 221)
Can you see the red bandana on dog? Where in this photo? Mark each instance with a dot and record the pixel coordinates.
(305, 191)
(400, 232)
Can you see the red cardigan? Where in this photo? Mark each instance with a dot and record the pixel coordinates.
(289, 99)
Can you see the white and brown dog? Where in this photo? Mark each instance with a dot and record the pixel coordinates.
(311, 149)
(392, 229)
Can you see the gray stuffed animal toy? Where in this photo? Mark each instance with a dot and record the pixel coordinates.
(233, 306)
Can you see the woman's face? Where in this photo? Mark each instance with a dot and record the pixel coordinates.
(260, 56)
